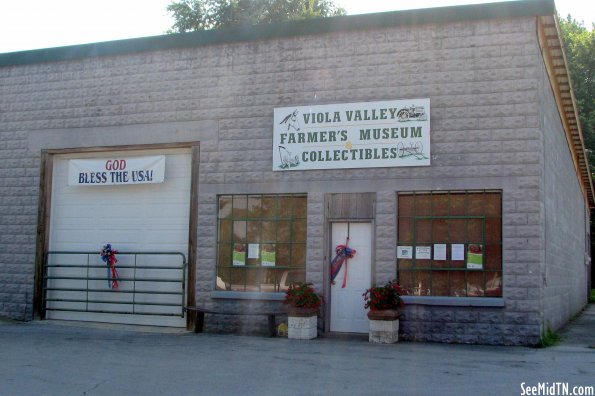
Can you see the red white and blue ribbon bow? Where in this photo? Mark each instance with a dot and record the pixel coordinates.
(344, 252)
(108, 255)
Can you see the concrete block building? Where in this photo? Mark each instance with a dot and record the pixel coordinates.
(442, 144)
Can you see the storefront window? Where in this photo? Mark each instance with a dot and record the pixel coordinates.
(450, 243)
(261, 242)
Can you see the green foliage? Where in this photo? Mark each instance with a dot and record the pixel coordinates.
(302, 295)
(385, 297)
(579, 45)
(549, 338)
(193, 15)
(592, 297)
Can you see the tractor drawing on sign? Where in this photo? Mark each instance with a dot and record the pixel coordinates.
(413, 149)
(412, 113)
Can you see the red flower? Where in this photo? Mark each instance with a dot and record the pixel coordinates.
(302, 295)
(380, 298)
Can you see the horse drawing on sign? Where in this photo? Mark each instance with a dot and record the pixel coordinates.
(291, 120)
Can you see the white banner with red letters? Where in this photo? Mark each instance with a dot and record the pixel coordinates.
(116, 171)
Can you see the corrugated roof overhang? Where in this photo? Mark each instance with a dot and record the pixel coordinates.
(550, 40)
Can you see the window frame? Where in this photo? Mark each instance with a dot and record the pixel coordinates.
(430, 268)
(276, 283)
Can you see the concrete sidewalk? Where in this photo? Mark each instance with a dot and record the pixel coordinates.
(50, 358)
(580, 332)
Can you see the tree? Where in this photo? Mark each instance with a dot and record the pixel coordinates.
(193, 15)
(579, 45)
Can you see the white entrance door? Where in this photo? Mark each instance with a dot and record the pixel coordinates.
(347, 304)
(133, 218)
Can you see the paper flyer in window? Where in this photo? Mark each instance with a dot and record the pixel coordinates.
(404, 252)
(474, 256)
(253, 250)
(440, 251)
(239, 255)
(423, 252)
(457, 251)
(267, 254)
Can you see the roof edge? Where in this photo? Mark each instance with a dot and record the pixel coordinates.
(552, 47)
(518, 8)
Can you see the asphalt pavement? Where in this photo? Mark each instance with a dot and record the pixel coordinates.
(59, 358)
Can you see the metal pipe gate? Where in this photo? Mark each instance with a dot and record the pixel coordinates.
(151, 283)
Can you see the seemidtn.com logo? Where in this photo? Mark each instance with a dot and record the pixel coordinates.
(555, 389)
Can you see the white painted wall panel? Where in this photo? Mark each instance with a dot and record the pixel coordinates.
(347, 304)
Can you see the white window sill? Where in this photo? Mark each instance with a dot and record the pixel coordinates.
(454, 301)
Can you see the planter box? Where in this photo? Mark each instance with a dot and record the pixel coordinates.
(384, 327)
(302, 327)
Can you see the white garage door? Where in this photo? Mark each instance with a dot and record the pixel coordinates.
(132, 218)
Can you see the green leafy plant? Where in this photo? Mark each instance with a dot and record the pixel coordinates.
(579, 45)
(379, 298)
(549, 338)
(194, 15)
(302, 295)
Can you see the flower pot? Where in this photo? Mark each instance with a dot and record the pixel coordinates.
(301, 312)
(384, 326)
(302, 323)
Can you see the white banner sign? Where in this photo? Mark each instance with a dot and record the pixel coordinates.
(111, 171)
(352, 135)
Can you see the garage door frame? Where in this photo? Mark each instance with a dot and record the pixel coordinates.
(45, 204)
